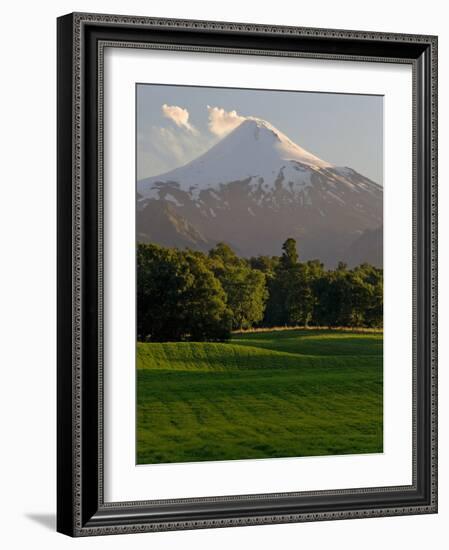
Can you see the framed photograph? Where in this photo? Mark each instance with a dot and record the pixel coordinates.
(247, 277)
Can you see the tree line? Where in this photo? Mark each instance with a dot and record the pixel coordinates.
(190, 295)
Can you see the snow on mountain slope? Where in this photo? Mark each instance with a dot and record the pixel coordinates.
(255, 149)
(254, 189)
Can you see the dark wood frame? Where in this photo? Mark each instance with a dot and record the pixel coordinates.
(81, 509)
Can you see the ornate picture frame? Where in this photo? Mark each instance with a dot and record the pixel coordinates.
(81, 506)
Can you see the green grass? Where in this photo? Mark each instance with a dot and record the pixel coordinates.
(263, 395)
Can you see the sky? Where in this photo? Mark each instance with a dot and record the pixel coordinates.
(175, 124)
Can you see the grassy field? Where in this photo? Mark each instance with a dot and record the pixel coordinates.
(264, 394)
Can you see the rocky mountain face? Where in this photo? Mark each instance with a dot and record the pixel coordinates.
(254, 189)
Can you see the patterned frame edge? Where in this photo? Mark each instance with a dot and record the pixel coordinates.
(77, 527)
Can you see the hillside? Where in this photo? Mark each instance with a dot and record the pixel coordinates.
(252, 190)
(271, 394)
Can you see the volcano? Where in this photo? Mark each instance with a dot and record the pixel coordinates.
(254, 189)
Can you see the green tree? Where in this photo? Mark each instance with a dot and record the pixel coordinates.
(299, 297)
(289, 256)
(178, 297)
(161, 280)
(334, 301)
(370, 295)
(266, 264)
(208, 316)
(245, 287)
(187, 295)
(290, 293)
(349, 297)
(224, 255)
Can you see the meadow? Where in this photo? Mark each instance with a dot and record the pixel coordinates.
(263, 394)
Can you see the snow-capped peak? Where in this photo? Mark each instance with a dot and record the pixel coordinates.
(288, 150)
(255, 149)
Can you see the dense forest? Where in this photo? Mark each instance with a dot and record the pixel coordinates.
(189, 295)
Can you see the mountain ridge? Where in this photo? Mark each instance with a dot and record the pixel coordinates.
(253, 189)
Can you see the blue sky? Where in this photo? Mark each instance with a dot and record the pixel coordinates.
(175, 125)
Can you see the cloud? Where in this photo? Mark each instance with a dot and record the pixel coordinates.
(179, 116)
(222, 122)
(161, 149)
(168, 142)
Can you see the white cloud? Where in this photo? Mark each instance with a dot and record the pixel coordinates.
(222, 122)
(166, 141)
(161, 149)
(179, 116)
